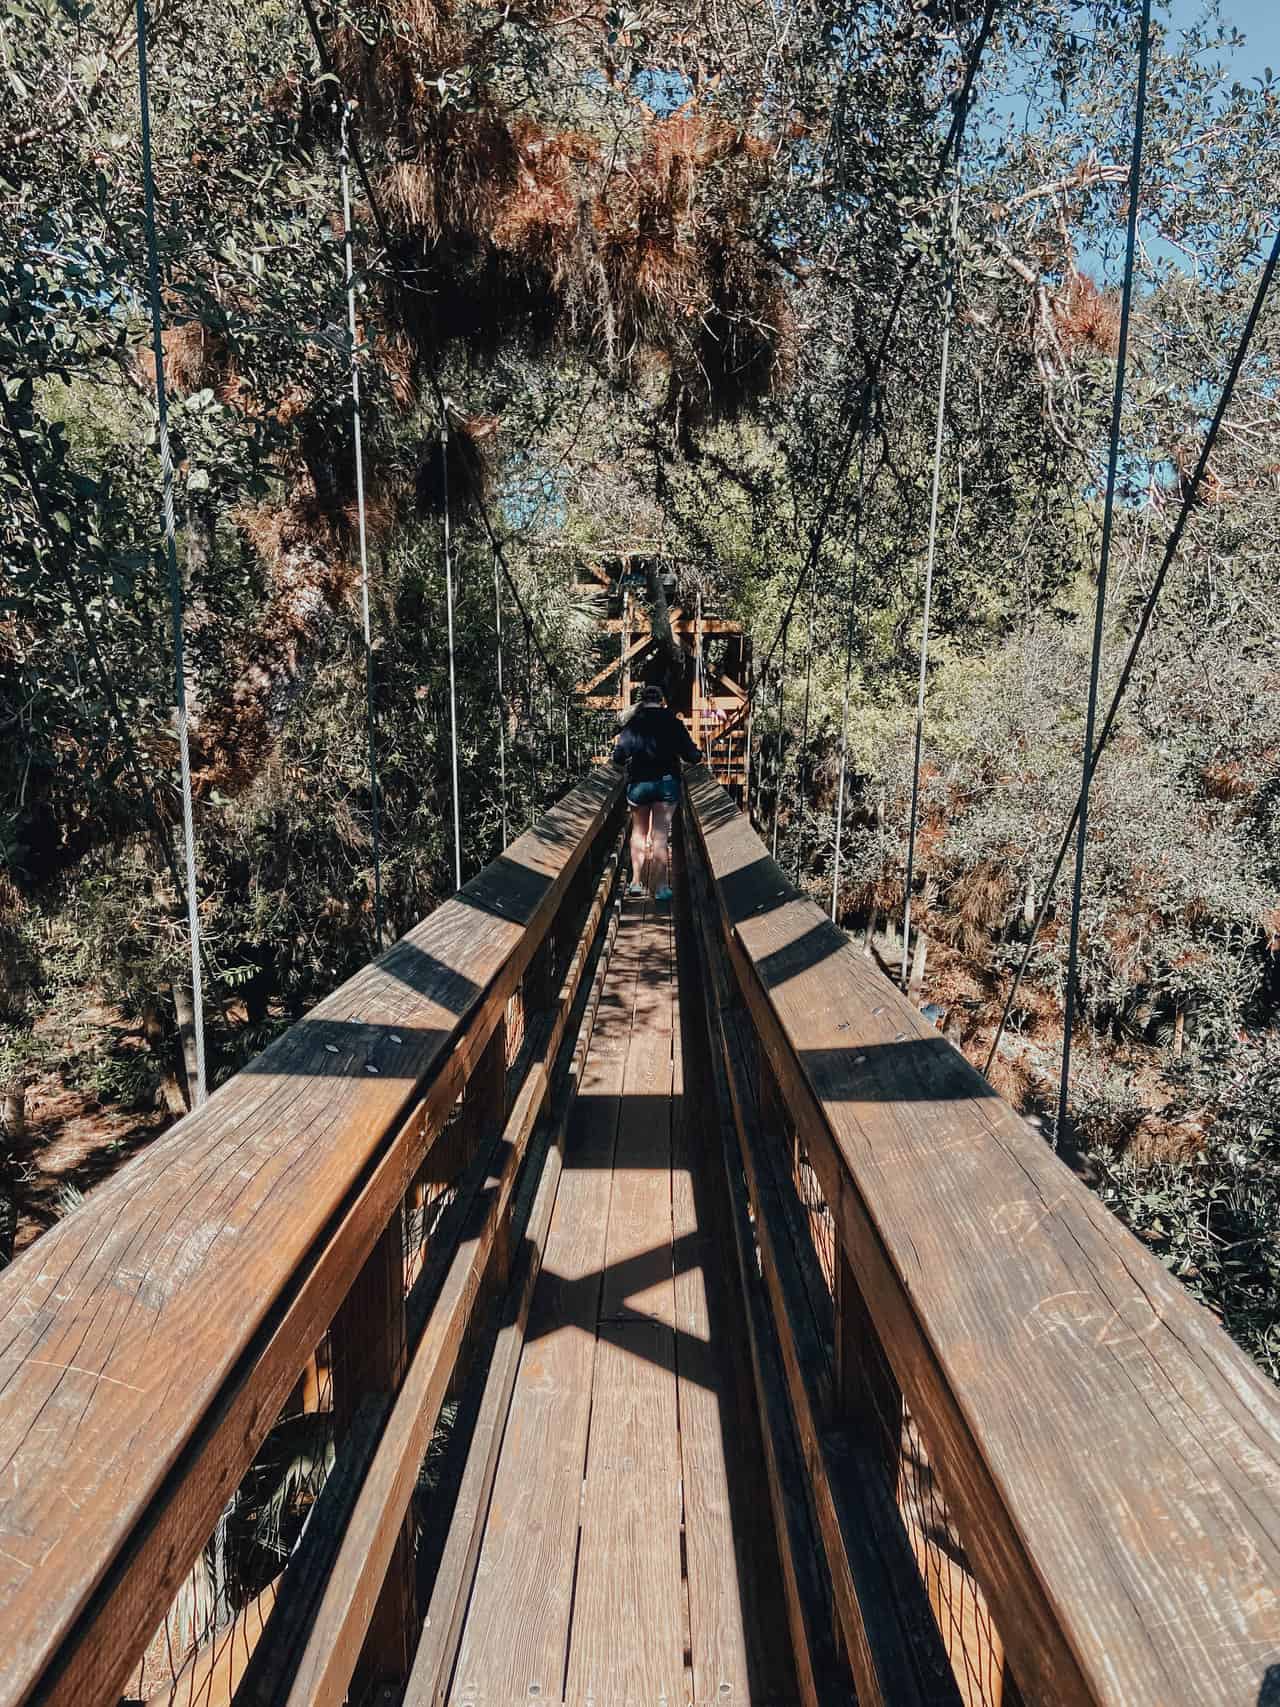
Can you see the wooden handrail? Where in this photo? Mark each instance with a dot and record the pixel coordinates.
(150, 1339)
(1111, 1460)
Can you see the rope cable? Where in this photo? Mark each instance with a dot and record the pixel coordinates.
(453, 685)
(948, 311)
(361, 521)
(1104, 561)
(1189, 495)
(199, 1091)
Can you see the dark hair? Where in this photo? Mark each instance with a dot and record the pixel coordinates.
(651, 694)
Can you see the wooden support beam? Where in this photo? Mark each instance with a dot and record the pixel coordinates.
(680, 623)
(214, 1672)
(919, 958)
(474, 1475)
(643, 644)
(881, 1612)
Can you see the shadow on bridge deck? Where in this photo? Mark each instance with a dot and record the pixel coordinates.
(628, 1553)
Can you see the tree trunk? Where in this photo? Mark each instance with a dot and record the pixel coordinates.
(161, 1045)
(184, 1012)
(8, 1211)
(916, 984)
(13, 1113)
(153, 1025)
(1179, 1029)
(1029, 904)
(660, 625)
(870, 936)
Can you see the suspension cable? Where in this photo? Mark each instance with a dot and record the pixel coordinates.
(746, 787)
(328, 66)
(502, 703)
(491, 534)
(531, 744)
(951, 145)
(802, 776)
(848, 653)
(1104, 561)
(1190, 492)
(453, 686)
(549, 720)
(344, 159)
(105, 680)
(778, 768)
(948, 311)
(200, 1090)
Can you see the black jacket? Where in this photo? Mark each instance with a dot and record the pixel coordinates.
(653, 744)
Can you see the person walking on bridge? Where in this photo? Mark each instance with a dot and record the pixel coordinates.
(649, 749)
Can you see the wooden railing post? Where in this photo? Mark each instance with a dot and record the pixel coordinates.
(368, 1352)
(538, 983)
(774, 1123)
(484, 1114)
(484, 1107)
(866, 1395)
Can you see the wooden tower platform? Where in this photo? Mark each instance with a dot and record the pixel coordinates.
(709, 696)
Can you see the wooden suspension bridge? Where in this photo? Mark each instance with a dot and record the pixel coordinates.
(593, 1304)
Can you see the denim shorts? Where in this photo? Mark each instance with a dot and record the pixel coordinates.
(664, 792)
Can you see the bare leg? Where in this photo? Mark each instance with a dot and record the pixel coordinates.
(641, 818)
(660, 846)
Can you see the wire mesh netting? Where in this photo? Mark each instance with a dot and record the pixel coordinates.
(216, 1620)
(968, 1631)
(818, 1216)
(213, 1629)
(218, 1615)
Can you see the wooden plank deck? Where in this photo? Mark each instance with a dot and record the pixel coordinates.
(624, 1514)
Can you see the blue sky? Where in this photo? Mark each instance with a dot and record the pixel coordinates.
(1259, 20)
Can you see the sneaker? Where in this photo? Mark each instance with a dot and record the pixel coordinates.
(635, 888)
(664, 894)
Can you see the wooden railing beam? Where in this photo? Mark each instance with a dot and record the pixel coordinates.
(458, 1272)
(152, 1339)
(879, 1608)
(1110, 1460)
